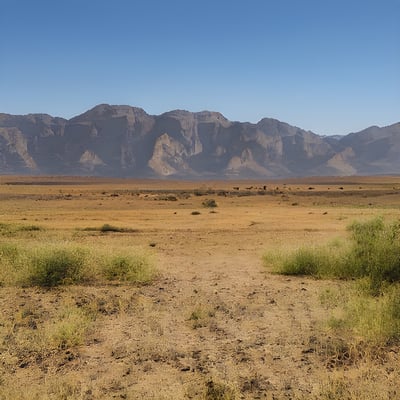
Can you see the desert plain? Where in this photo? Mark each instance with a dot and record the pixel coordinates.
(216, 321)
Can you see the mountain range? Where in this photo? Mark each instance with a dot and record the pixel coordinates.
(125, 141)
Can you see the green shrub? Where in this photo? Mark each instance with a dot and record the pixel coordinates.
(58, 265)
(314, 261)
(65, 264)
(128, 268)
(373, 253)
(303, 261)
(48, 266)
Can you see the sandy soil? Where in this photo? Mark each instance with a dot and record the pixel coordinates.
(215, 315)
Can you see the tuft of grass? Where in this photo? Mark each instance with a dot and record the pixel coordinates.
(56, 265)
(318, 262)
(69, 329)
(133, 268)
(201, 316)
(305, 261)
(8, 251)
(195, 212)
(219, 391)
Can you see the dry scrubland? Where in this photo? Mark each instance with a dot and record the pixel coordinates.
(168, 290)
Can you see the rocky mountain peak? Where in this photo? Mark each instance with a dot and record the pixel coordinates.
(120, 140)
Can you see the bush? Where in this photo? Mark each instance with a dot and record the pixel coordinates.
(48, 266)
(66, 264)
(110, 228)
(209, 203)
(373, 253)
(304, 262)
(128, 268)
(56, 266)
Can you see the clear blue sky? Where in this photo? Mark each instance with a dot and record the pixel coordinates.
(330, 66)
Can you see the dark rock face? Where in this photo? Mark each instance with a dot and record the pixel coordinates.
(126, 141)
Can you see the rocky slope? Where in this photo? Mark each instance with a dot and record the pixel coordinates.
(126, 141)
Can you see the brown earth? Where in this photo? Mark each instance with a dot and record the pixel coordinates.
(215, 317)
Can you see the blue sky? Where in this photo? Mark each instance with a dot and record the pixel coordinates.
(330, 66)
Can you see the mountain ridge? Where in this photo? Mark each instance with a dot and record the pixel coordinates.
(126, 141)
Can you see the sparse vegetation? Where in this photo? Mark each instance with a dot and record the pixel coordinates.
(128, 268)
(65, 264)
(68, 329)
(106, 228)
(375, 319)
(317, 262)
(55, 265)
(372, 310)
(219, 391)
(110, 228)
(201, 316)
(33, 334)
(210, 324)
(15, 229)
(209, 203)
(168, 197)
(373, 254)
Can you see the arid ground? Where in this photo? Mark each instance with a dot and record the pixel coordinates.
(216, 322)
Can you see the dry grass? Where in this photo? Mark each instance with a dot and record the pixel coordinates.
(212, 323)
